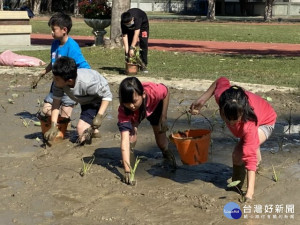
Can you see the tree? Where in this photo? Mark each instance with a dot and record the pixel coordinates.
(211, 13)
(37, 7)
(76, 9)
(1, 4)
(268, 10)
(118, 7)
(49, 6)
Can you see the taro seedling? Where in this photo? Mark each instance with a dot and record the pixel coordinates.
(86, 166)
(136, 59)
(234, 184)
(132, 170)
(3, 108)
(275, 176)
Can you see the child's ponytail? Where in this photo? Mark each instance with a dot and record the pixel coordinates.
(234, 103)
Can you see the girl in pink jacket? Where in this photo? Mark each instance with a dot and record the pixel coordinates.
(137, 102)
(250, 118)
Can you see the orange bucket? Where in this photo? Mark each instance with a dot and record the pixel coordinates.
(62, 125)
(192, 146)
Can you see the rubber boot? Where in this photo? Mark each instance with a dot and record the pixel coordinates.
(239, 173)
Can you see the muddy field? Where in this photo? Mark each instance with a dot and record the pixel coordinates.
(41, 185)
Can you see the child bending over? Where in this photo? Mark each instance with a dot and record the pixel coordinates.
(250, 118)
(137, 102)
(84, 86)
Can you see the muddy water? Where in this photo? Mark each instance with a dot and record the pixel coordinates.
(42, 185)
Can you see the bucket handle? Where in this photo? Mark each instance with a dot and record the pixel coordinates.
(189, 115)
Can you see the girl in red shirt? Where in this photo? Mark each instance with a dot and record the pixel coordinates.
(250, 118)
(137, 102)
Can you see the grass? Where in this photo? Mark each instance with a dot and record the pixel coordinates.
(245, 32)
(239, 68)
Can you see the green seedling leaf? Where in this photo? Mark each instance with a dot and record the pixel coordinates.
(15, 95)
(37, 123)
(269, 99)
(181, 101)
(275, 176)
(234, 183)
(11, 101)
(132, 171)
(25, 123)
(86, 166)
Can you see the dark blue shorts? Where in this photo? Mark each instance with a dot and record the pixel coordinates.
(89, 111)
(155, 116)
(153, 119)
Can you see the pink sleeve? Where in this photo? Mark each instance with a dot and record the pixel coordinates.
(250, 146)
(222, 85)
(156, 92)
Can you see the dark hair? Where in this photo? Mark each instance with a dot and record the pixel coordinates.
(65, 67)
(126, 90)
(126, 17)
(234, 103)
(62, 20)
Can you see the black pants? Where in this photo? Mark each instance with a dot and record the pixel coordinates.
(143, 39)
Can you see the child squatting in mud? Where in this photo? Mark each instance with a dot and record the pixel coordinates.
(250, 118)
(137, 102)
(84, 86)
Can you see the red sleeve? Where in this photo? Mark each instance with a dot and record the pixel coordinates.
(222, 84)
(250, 146)
(122, 117)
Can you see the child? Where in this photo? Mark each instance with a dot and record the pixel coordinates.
(84, 86)
(63, 45)
(250, 118)
(137, 102)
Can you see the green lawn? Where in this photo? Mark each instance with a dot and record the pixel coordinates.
(282, 71)
(248, 32)
(252, 69)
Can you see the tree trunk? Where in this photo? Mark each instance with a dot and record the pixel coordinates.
(268, 10)
(1, 5)
(118, 7)
(76, 9)
(211, 14)
(37, 7)
(49, 6)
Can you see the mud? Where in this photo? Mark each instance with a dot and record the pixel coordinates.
(42, 185)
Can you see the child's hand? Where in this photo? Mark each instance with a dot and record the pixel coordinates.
(126, 178)
(51, 133)
(195, 107)
(163, 126)
(131, 52)
(97, 121)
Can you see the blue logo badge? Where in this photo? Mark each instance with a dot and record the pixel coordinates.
(232, 210)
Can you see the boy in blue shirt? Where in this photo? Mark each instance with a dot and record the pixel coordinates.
(63, 45)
